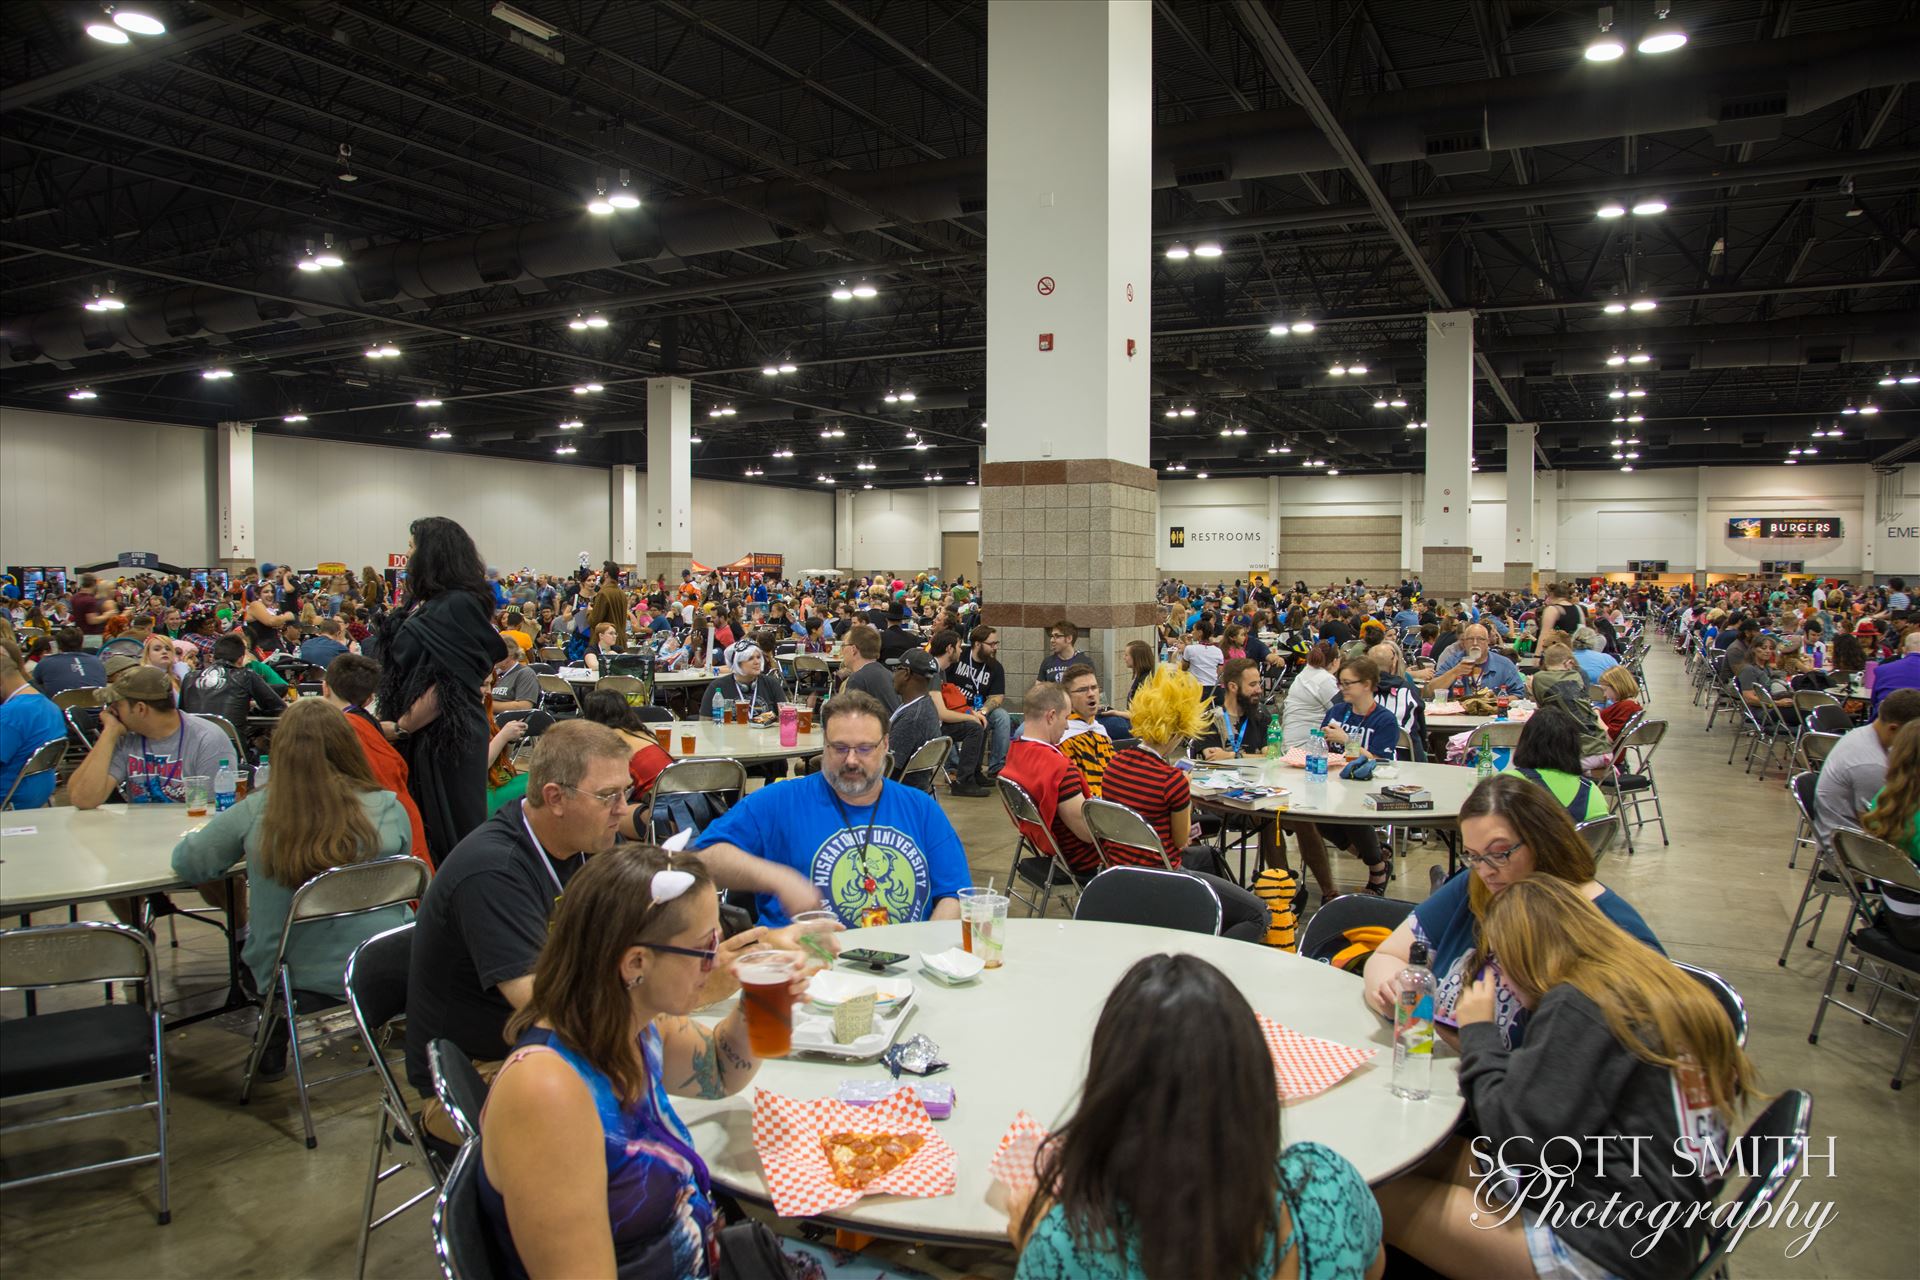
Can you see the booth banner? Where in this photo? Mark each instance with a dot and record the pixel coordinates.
(327, 568)
(395, 560)
(1771, 527)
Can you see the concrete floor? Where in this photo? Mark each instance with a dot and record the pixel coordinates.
(250, 1200)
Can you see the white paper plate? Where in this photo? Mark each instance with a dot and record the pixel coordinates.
(831, 987)
(813, 1032)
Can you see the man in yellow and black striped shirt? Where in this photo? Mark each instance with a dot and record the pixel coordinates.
(1087, 743)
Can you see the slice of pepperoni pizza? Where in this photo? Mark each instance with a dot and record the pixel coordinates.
(856, 1159)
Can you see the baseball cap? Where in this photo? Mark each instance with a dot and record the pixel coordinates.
(146, 684)
(119, 662)
(920, 662)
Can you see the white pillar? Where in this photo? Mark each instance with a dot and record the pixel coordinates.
(1520, 540)
(1409, 526)
(624, 514)
(1273, 524)
(843, 556)
(1070, 178)
(1702, 526)
(233, 476)
(1548, 531)
(669, 538)
(1447, 550)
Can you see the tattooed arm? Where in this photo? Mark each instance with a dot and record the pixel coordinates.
(704, 1061)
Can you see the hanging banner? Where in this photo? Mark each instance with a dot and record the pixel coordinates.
(1770, 527)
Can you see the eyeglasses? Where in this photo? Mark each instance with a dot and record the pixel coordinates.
(1057, 636)
(860, 752)
(708, 955)
(608, 799)
(1492, 857)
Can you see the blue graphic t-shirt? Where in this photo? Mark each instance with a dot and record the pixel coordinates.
(885, 863)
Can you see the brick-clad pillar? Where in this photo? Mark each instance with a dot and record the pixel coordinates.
(1068, 539)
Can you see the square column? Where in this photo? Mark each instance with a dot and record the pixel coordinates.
(1067, 497)
(1446, 566)
(233, 485)
(669, 537)
(623, 508)
(1520, 540)
(1547, 533)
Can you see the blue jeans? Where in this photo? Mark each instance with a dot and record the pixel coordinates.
(999, 735)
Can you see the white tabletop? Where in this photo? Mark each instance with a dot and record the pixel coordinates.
(831, 659)
(50, 857)
(1017, 1040)
(746, 743)
(1449, 784)
(1457, 722)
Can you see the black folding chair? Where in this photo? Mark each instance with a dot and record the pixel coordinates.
(1144, 895)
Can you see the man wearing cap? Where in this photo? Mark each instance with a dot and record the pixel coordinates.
(748, 681)
(146, 748)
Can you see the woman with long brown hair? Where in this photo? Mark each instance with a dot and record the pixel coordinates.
(586, 1170)
(322, 809)
(1894, 813)
(1511, 830)
(1621, 1042)
(1130, 1188)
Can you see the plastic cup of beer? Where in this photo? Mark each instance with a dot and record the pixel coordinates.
(687, 745)
(806, 719)
(199, 789)
(764, 977)
(966, 897)
(984, 916)
(742, 712)
(665, 738)
(726, 715)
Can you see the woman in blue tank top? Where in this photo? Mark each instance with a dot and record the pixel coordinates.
(1173, 1164)
(586, 1170)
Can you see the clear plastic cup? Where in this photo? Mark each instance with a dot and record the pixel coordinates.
(815, 925)
(199, 794)
(764, 977)
(984, 917)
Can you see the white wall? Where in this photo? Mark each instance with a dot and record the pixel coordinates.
(59, 506)
(329, 500)
(1225, 523)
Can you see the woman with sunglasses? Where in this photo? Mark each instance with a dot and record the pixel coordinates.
(1510, 830)
(586, 1170)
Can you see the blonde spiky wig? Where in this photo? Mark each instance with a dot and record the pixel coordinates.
(1169, 705)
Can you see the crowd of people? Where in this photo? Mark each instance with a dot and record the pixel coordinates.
(563, 952)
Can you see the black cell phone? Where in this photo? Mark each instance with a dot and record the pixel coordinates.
(875, 960)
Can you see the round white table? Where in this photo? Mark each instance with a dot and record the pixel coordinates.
(56, 856)
(1449, 784)
(747, 743)
(1017, 1040)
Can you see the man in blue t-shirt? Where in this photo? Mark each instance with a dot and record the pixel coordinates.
(876, 853)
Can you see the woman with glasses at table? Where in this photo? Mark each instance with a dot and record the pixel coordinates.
(586, 1170)
(1510, 829)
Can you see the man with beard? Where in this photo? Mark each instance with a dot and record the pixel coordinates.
(877, 852)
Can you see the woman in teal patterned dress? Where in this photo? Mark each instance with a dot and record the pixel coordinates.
(1172, 1165)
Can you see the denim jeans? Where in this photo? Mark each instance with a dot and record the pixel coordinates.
(999, 736)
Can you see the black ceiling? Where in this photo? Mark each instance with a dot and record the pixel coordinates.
(780, 148)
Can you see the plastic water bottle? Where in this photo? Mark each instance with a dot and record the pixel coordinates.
(719, 712)
(260, 773)
(224, 786)
(1413, 1028)
(1316, 770)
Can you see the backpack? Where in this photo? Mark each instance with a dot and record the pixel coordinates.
(1276, 887)
(1570, 697)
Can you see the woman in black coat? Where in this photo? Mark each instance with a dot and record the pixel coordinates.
(436, 648)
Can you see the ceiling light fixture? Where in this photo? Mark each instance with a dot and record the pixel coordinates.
(107, 33)
(1606, 46)
(1286, 448)
(1176, 466)
(1398, 401)
(783, 453)
(694, 437)
(344, 153)
(565, 449)
(1611, 209)
(440, 433)
(832, 433)
(1664, 36)
(1617, 394)
(824, 479)
(1636, 392)
(588, 389)
(1791, 461)
(865, 464)
(865, 290)
(1639, 357)
(841, 293)
(1208, 249)
(1642, 304)
(1333, 471)
(600, 206)
(1636, 417)
(1615, 307)
(571, 424)
(1357, 368)
(1850, 409)
(1380, 403)
(622, 196)
(382, 351)
(1626, 466)
(1172, 413)
(921, 446)
(1178, 252)
(328, 257)
(755, 471)
(1908, 378)
(216, 375)
(1199, 475)
(106, 301)
(1615, 360)
(429, 403)
(83, 393)
(1648, 206)
(934, 477)
(1302, 325)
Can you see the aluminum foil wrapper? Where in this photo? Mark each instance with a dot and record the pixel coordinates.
(916, 1054)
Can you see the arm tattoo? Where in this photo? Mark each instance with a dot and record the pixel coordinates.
(705, 1079)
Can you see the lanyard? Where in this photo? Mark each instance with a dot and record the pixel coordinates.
(540, 851)
(1240, 734)
(846, 820)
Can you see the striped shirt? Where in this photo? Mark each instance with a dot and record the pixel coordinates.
(1152, 788)
(1089, 747)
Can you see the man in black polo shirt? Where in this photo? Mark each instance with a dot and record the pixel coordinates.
(980, 676)
(896, 639)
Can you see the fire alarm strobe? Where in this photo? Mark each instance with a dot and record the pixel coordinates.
(1046, 342)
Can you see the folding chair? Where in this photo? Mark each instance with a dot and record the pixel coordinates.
(1046, 865)
(461, 1239)
(925, 764)
(338, 893)
(45, 759)
(1600, 833)
(1496, 735)
(722, 782)
(1723, 991)
(1124, 838)
(626, 686)
(1144, 895)
(1866, 866)
(556, 695)
(810, 672)
(458, 1085)
(1830, 719)
(1761, 724)
(1631, 779)
(1814, 747)
(99, 1047)
(377, 997)
(1720, 691)
(1779, 1136)
(1326, 932)
(653, 714)
(552, 653)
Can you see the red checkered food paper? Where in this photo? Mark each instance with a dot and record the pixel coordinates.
(1305, 1065)
(787, 1133)
(1013, 1161)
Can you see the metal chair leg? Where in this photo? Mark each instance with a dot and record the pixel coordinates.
(160, 1114)
(293, 1052)
(383, 1122)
